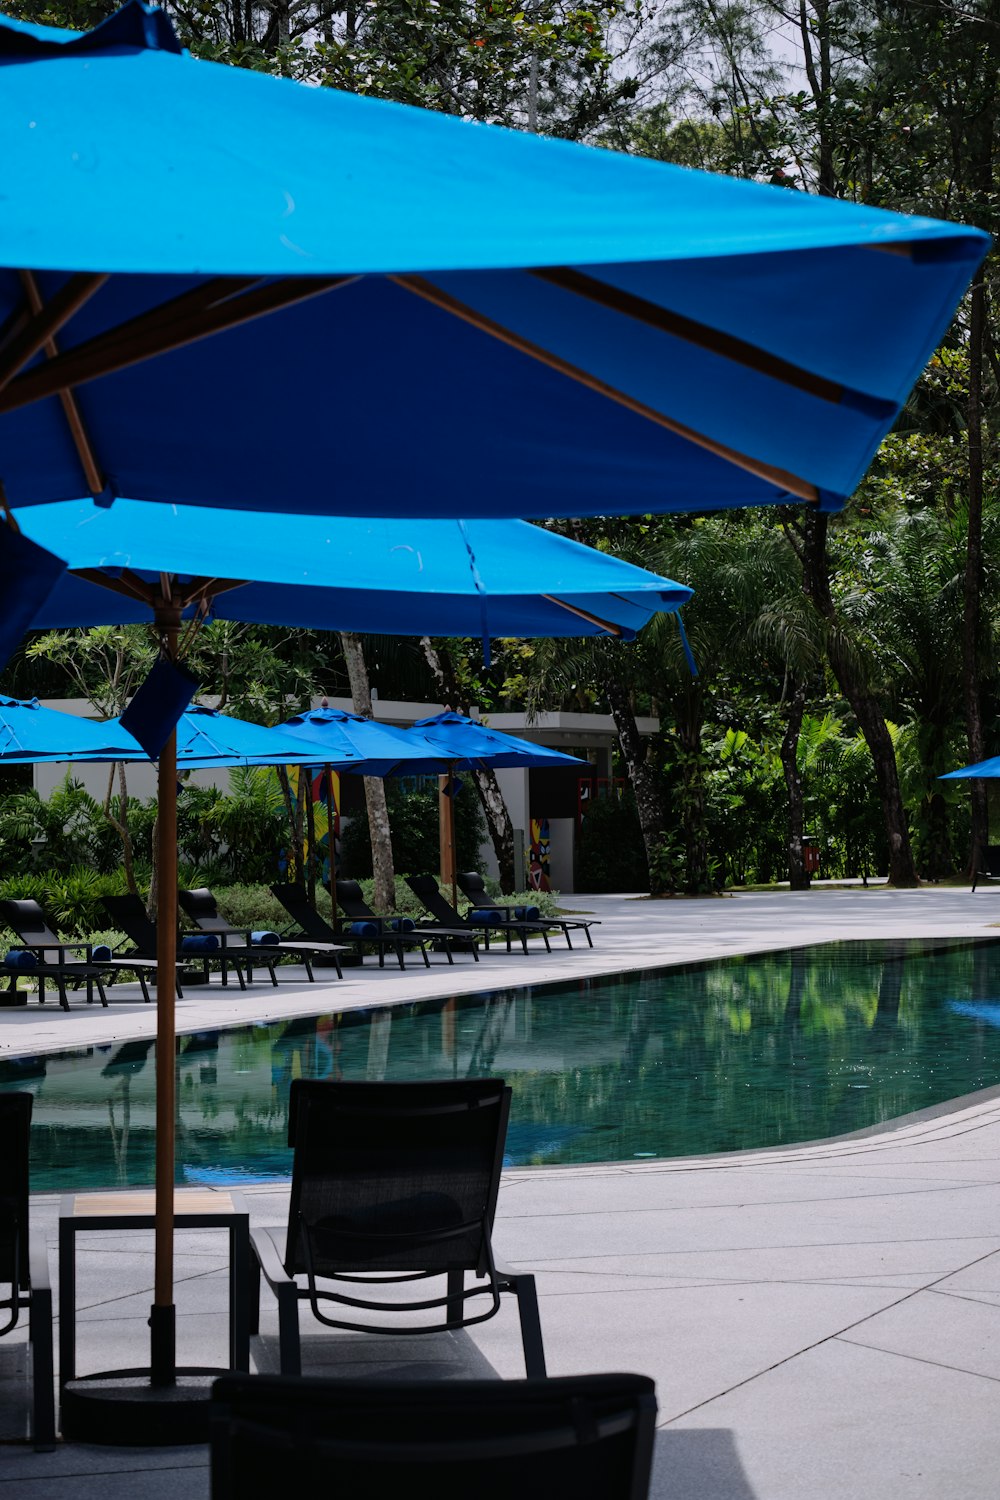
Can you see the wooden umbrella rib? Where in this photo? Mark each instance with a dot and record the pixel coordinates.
(71, 411)
(126, 582)
(45, 322)
(584, 614)
(158, 332)
(209, 588)
(713, 340)
(793, 484)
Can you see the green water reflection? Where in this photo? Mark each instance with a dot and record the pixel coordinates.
(744, 1052)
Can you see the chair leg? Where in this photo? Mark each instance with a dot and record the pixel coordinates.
(531, 1328)
(253, 1308)
(309, 968)
(274, 977)
(143, 985)
(569, 940)
(43, 1415)
(454, 1304)
(426, 959)
(100, 990)
(289, 1347)
(590, 940)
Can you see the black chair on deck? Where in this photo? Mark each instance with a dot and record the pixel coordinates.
(201, 906)
(392, 1182)
(49, 961)
(473, 887)
(427, 891)
(589, 1437)
(391, 933)
(24, 1265)
(129, 914)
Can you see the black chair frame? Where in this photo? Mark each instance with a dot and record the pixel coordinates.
(403, 1102)
(24, 1265)
(28, 921)
(202, 907)
(354, 906)
(473, 887)
(427, 890)
(590, 1436)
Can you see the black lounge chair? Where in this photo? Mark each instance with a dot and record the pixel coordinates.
(27, 920)
(200, 905)
(392, 1182)
(380, 932)
(586, 1436)
(129, 913)
(473, 887)
(24, 1265)
(427, 890)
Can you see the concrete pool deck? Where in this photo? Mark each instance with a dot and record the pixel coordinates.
(820, 1321)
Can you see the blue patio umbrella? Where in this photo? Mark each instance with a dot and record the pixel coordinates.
(441, 317)
(29, 733)
(139, 561)
(399, 575)
(988, 769)
(472, 746)
(207, 738)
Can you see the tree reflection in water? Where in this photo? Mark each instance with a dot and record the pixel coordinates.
(746, 1052)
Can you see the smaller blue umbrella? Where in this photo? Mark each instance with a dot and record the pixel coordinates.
(470, 746)
(29, 732)
(376, 749)
(987, 769)
(207, 738)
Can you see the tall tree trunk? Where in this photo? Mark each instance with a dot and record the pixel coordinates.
(973, 579)
(487, 787)
(120, 824)
(644, 779)
(378, 812)
(798, 878)
(690, 720)
(816, 581)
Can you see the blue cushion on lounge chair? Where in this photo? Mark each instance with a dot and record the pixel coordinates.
(526, 913)
(488, 914)
(265, 938)
(20, 958)
(363, 929)
(101, 953)
(199, 942)
(402, 924)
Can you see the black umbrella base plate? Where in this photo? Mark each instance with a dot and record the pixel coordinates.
(123, 1409)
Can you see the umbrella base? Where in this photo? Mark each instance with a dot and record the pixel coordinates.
(123, 1409)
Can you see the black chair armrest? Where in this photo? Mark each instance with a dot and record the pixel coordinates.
(38, 1261)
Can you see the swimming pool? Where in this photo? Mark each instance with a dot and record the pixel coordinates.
(756, 1051)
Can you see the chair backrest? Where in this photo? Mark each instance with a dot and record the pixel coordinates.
(298, 906)
(200, 905)
(472, 884)
(129, 914)
(27, 919)
(15, 1132)
(394, 1176)
(586, 1436)
(351, 901)
(427, 890)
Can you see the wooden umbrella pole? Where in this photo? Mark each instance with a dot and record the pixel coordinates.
(162, 1322)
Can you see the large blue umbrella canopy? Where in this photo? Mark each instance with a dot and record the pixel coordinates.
(29, 732)
(438, 317)
(398, 576)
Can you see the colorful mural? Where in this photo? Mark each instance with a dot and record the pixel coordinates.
(538, 856)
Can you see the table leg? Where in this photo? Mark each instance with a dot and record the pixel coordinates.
(67, 1300)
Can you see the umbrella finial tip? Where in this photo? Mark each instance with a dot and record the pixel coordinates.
(324, 702)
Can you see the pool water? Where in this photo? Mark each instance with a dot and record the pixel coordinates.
(727, 1055)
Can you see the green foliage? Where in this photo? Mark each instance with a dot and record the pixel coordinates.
(609, 851)
(413, 818)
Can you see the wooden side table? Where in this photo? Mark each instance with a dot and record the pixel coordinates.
(194, 1208)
